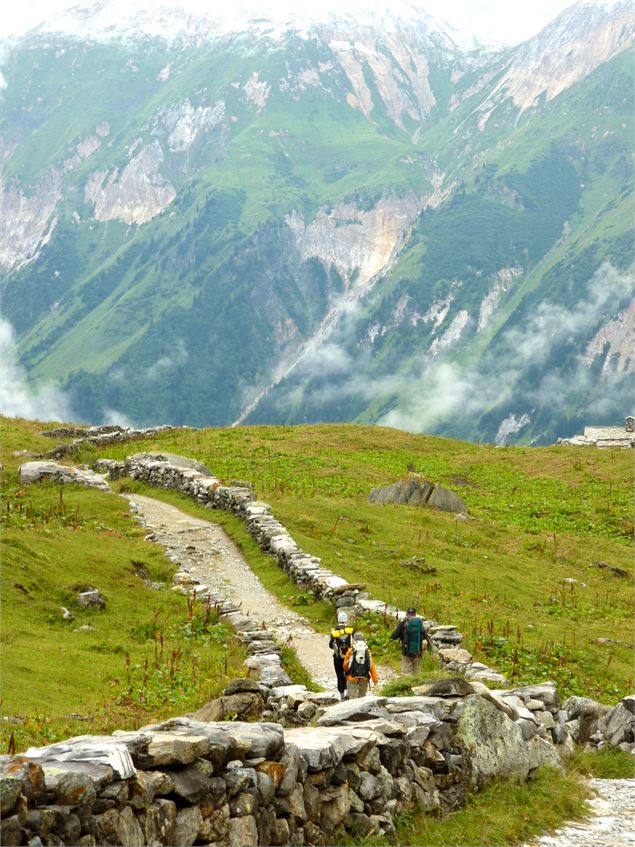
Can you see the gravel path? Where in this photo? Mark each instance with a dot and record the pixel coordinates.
(612, 821)
(205, 550)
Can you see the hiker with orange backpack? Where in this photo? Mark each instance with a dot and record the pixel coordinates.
(360, 668)
(414, 640)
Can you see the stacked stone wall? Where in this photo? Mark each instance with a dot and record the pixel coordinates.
(185, 781)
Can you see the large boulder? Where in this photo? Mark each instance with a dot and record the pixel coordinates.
(494, 744)
(415, 490)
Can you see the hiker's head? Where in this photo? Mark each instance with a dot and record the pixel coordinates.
(342, 617)
(411, 612)
(357, 636)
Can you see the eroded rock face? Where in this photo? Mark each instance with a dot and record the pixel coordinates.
(27, 219)
(136, 194)
(355, 240)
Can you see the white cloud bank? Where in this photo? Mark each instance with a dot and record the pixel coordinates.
(451, 389)
(17, 398)
(447, 390)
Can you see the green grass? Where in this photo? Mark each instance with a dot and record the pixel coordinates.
(541, 515)
(608, 763)
(149, 655)
(505, 813)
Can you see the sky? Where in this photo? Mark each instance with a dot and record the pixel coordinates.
(489, 20)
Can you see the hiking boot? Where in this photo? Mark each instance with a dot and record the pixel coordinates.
(343, 695)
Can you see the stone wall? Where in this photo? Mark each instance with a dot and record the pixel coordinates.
(187, 781)
(98, 436)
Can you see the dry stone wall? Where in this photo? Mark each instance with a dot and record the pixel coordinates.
(196, 780)
(186, 781)
(579, 719)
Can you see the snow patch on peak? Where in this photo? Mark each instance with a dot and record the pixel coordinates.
(194, 19)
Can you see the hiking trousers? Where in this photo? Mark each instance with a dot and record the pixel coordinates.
(338, 664)
(410, 664)
(356, 688)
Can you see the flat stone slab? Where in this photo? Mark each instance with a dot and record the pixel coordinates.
(101, 750)
(362, 708)
(31, 472)
(325, 747)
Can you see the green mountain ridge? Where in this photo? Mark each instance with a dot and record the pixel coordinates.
(302, 230)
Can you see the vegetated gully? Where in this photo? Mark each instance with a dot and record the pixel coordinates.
(206, 552)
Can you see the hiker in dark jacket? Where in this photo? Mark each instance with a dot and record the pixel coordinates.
(414, 640)
(340, 643)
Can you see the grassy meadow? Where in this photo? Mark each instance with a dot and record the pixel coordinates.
(539, 516)
(148, 655)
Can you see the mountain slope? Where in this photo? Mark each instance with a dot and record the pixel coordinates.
(270, 221)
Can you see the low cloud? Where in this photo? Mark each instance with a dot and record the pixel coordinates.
(17, 398)
(451, 389)
(444, 390)
(165, 364)
(115, 418)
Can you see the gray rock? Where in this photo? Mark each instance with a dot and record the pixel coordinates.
(360, 709)
(266, 788)
(324, 747)
(243, 804)
(215, 826)
(31, 472)
(454, 687)
(618, 726)
(546, 692)
(239, 779)
(173, 459)
(70, 787)
(368, 786)
(585, 714)
(128, 830)
(414, 490)
(169, 749)
(306, 711)
(240, 686)
(446, 500)
(629, 703)
(91, 597)
(292, 804)
(336, 804)
(494, 745)
(10, 790)
(189, 821)
(243, 832)
(527, 728)
(190, 784)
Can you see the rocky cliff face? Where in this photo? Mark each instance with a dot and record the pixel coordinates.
(564, 53)
(359, 244)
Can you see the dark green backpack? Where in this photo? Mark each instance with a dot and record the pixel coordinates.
(412, 631)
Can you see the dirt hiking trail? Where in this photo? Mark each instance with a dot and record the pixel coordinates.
(209, 555)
